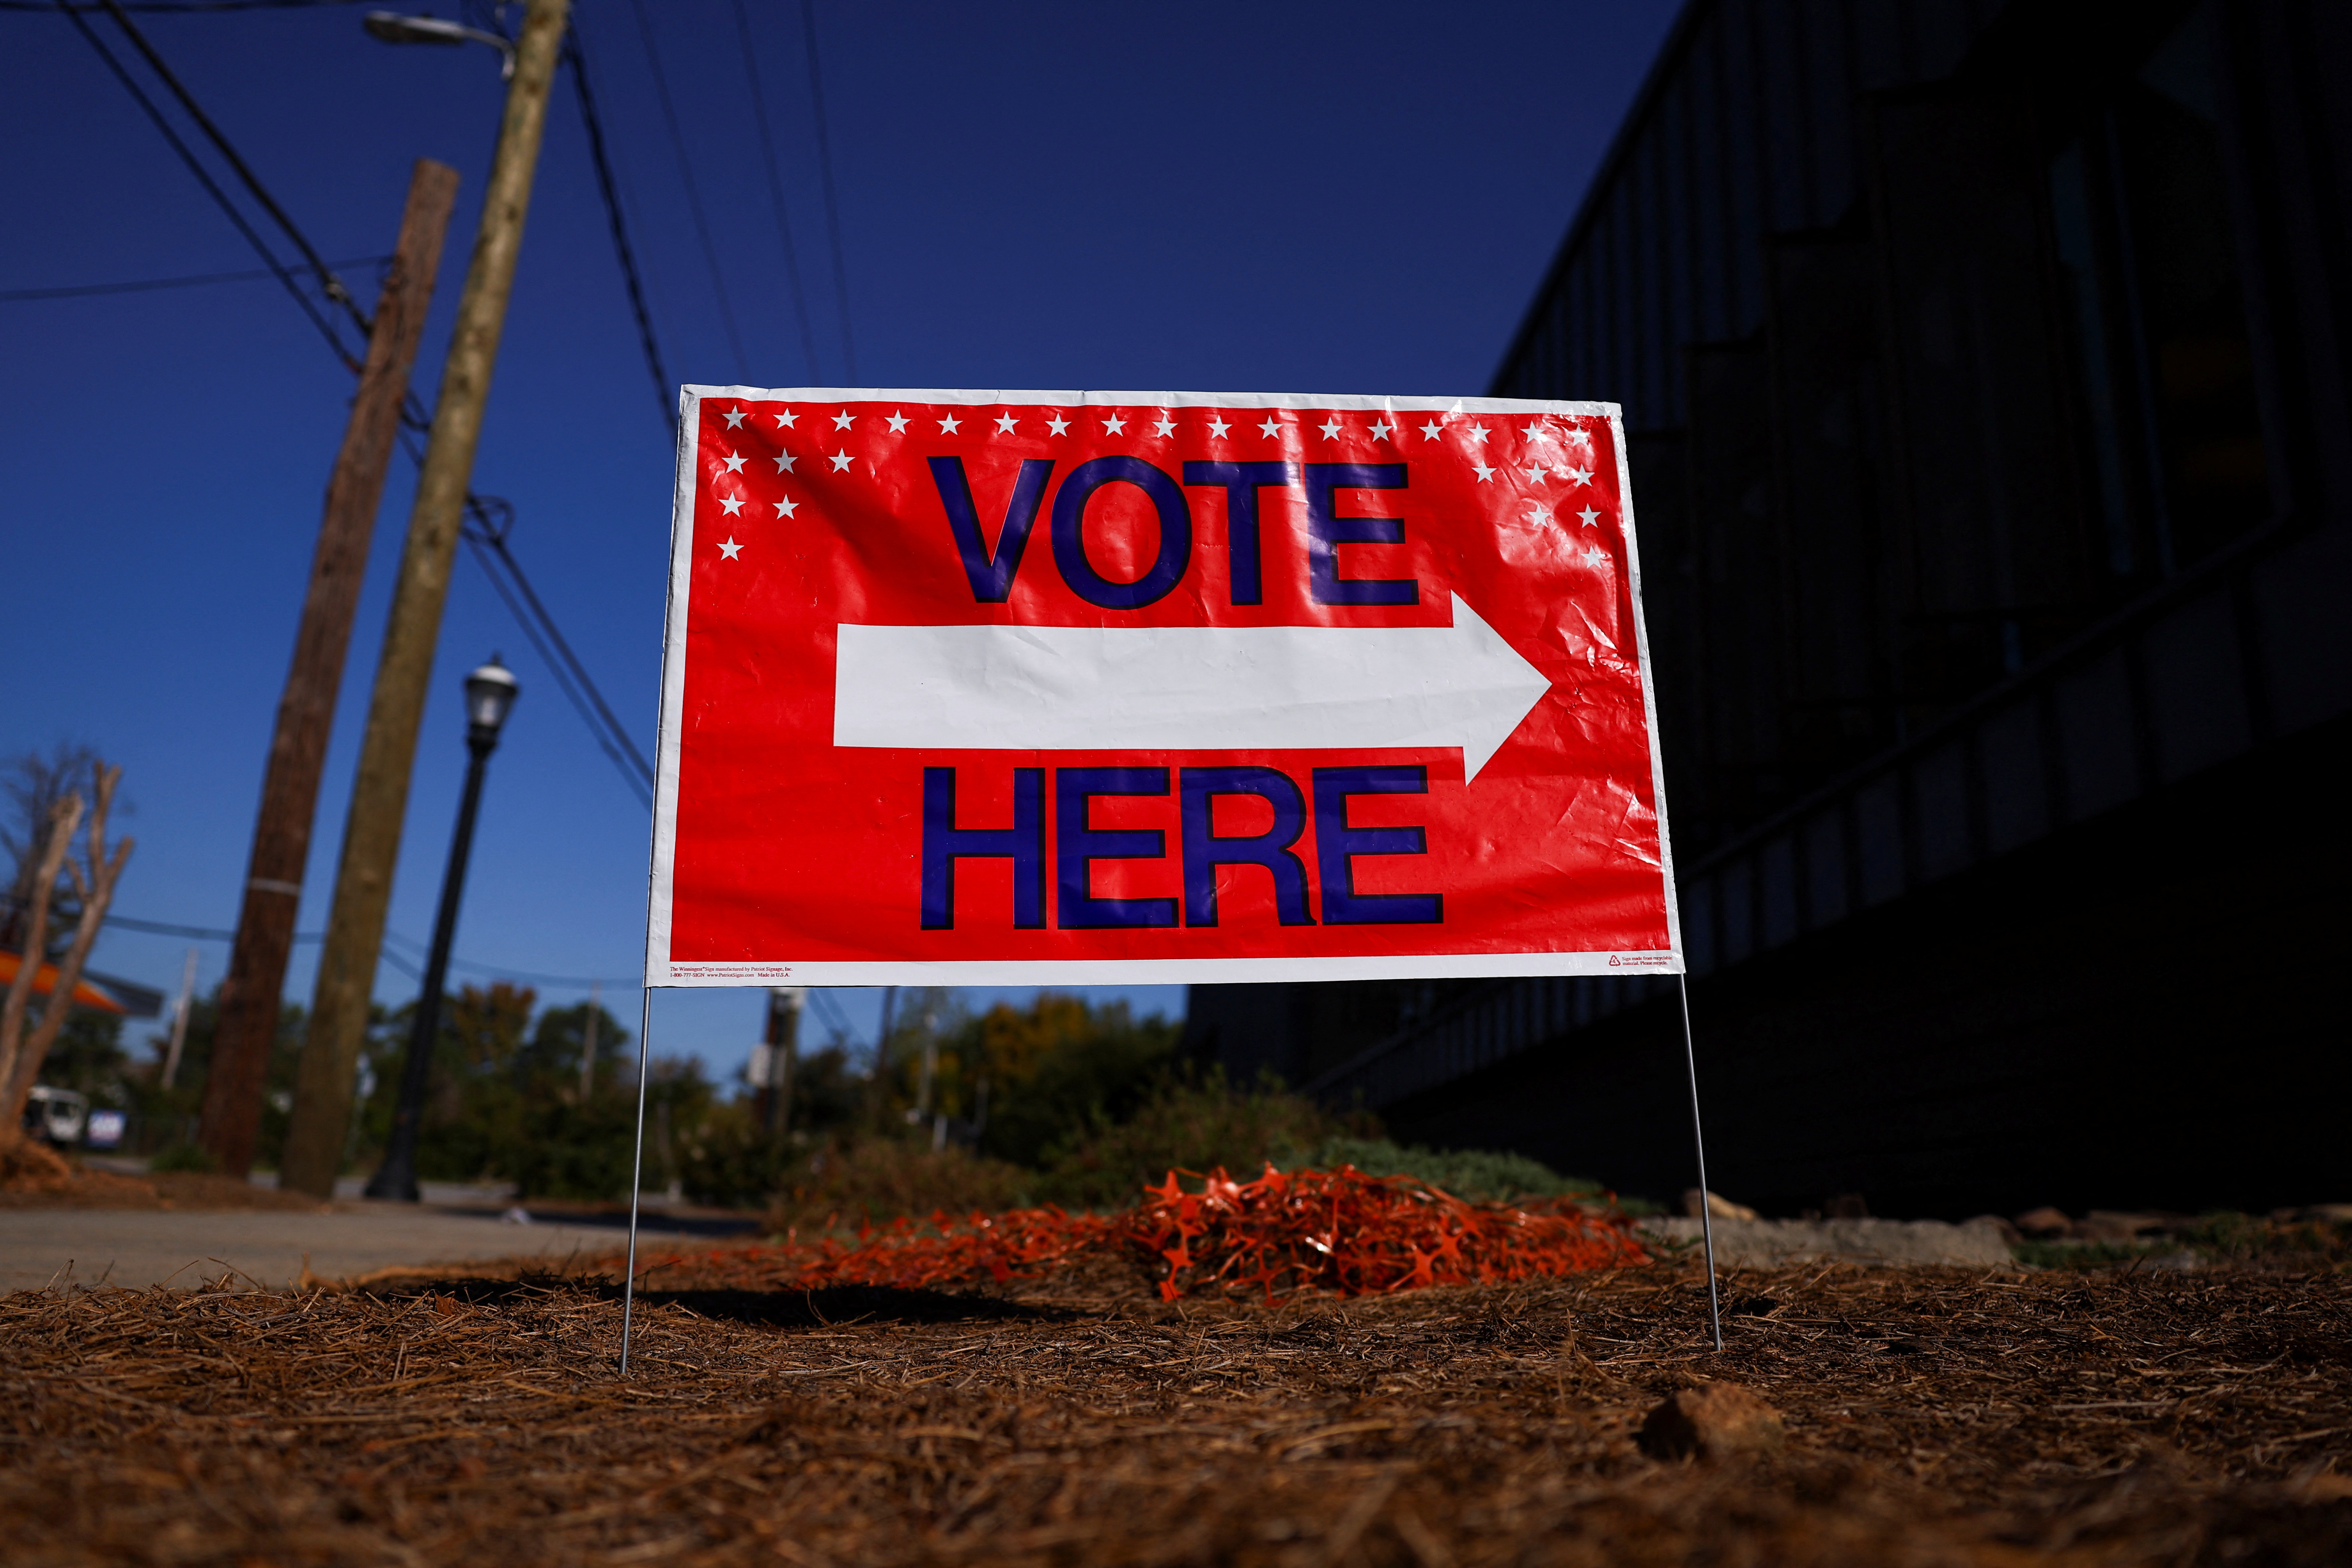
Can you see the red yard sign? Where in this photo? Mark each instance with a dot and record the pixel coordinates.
(1085, 686)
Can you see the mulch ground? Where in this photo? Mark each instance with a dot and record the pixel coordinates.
(1934, 1417)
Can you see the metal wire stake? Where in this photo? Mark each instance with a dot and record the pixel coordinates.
(637, 1180)
(1698, 1132)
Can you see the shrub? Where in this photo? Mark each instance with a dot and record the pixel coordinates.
(1478, 1175)
(183, 1157)
(1057, 1068)
(882, 1178)
(729, 1161)
(1183, 1125)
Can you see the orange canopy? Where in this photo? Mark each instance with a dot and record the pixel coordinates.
(44, 980)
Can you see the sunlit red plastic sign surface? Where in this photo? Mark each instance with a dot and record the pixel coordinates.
(1068, 687)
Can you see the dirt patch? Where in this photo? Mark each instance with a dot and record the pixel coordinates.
(1932, 1417)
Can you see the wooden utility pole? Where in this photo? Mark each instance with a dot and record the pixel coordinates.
(247, 1026)
(339, 1010)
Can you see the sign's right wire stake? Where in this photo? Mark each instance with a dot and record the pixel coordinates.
(1705, 1193)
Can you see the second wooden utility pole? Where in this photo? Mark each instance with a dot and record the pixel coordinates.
(247, 1026)
(339, 1010)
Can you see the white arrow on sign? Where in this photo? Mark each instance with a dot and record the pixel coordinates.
(1183, 688)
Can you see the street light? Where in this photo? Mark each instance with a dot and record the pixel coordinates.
(491, 691)
(394, 28)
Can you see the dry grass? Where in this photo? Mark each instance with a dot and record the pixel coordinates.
(1935, 1417)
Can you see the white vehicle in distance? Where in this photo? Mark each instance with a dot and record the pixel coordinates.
(56, 1115)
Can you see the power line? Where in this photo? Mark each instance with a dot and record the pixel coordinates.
(328, 282)
(664, 394)
(491, 554)
(776, 190)
(832, 206)
(499, 972)
(693, 193)
(80, 291)
(173, 7)
(415, 414)
(215, 934)
(200, 933)
(212, 188)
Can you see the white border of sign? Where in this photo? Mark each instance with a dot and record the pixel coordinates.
(661, 972)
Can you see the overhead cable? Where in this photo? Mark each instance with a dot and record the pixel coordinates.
(664, 392)
(832, 206)
(212, 188)
(173, 7)
(328, 283)
(215, 934)
(776, 191)
(81, 291)
(693, 192)
(634, 770)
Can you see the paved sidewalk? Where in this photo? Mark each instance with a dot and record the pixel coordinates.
(141, 1248)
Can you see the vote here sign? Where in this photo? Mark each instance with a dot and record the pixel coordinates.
(1007, 687)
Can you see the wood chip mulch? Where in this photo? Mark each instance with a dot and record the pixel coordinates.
(1933, 1417)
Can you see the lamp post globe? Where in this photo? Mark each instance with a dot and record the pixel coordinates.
(490, 692)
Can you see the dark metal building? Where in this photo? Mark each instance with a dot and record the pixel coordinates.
(1987, 373)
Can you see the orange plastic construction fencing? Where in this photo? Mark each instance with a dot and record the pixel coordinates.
(1286, 1230)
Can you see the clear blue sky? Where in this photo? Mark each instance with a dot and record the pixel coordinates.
(1307, 197)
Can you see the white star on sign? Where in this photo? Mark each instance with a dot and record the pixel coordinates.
(1483, 472)
(1578, 434)
(784, 462)
(842, 460)
(948, 426)
(1535, 473)
(1004, 424)
(1580, 475)
(1330, 427)
(1058, 426)
(1538, 431)
(1538, 516)
(787, 419)
(1590, 517)
(1270, 428)
(734, 464)
(786, 508)
(1164, 426)
(1381, 430)
(734, 418)
(1217, 427)
(898, 423)
(733, 503)
(1596, 557)
(1116, 424)
(1430, 431)
(844, 420)
(1479, 434)
(730, 549)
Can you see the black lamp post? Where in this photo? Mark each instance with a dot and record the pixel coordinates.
(491, 691)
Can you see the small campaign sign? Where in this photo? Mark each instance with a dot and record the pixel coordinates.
(1076, 688)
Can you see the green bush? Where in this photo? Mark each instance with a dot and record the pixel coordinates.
(1183, 1123)
(183, 1157)
(881, 1178)
(1478, 1175)
(729, 1161)
(1059, 1068)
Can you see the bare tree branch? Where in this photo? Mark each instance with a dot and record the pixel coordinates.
(65, 816)
(96, 885)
